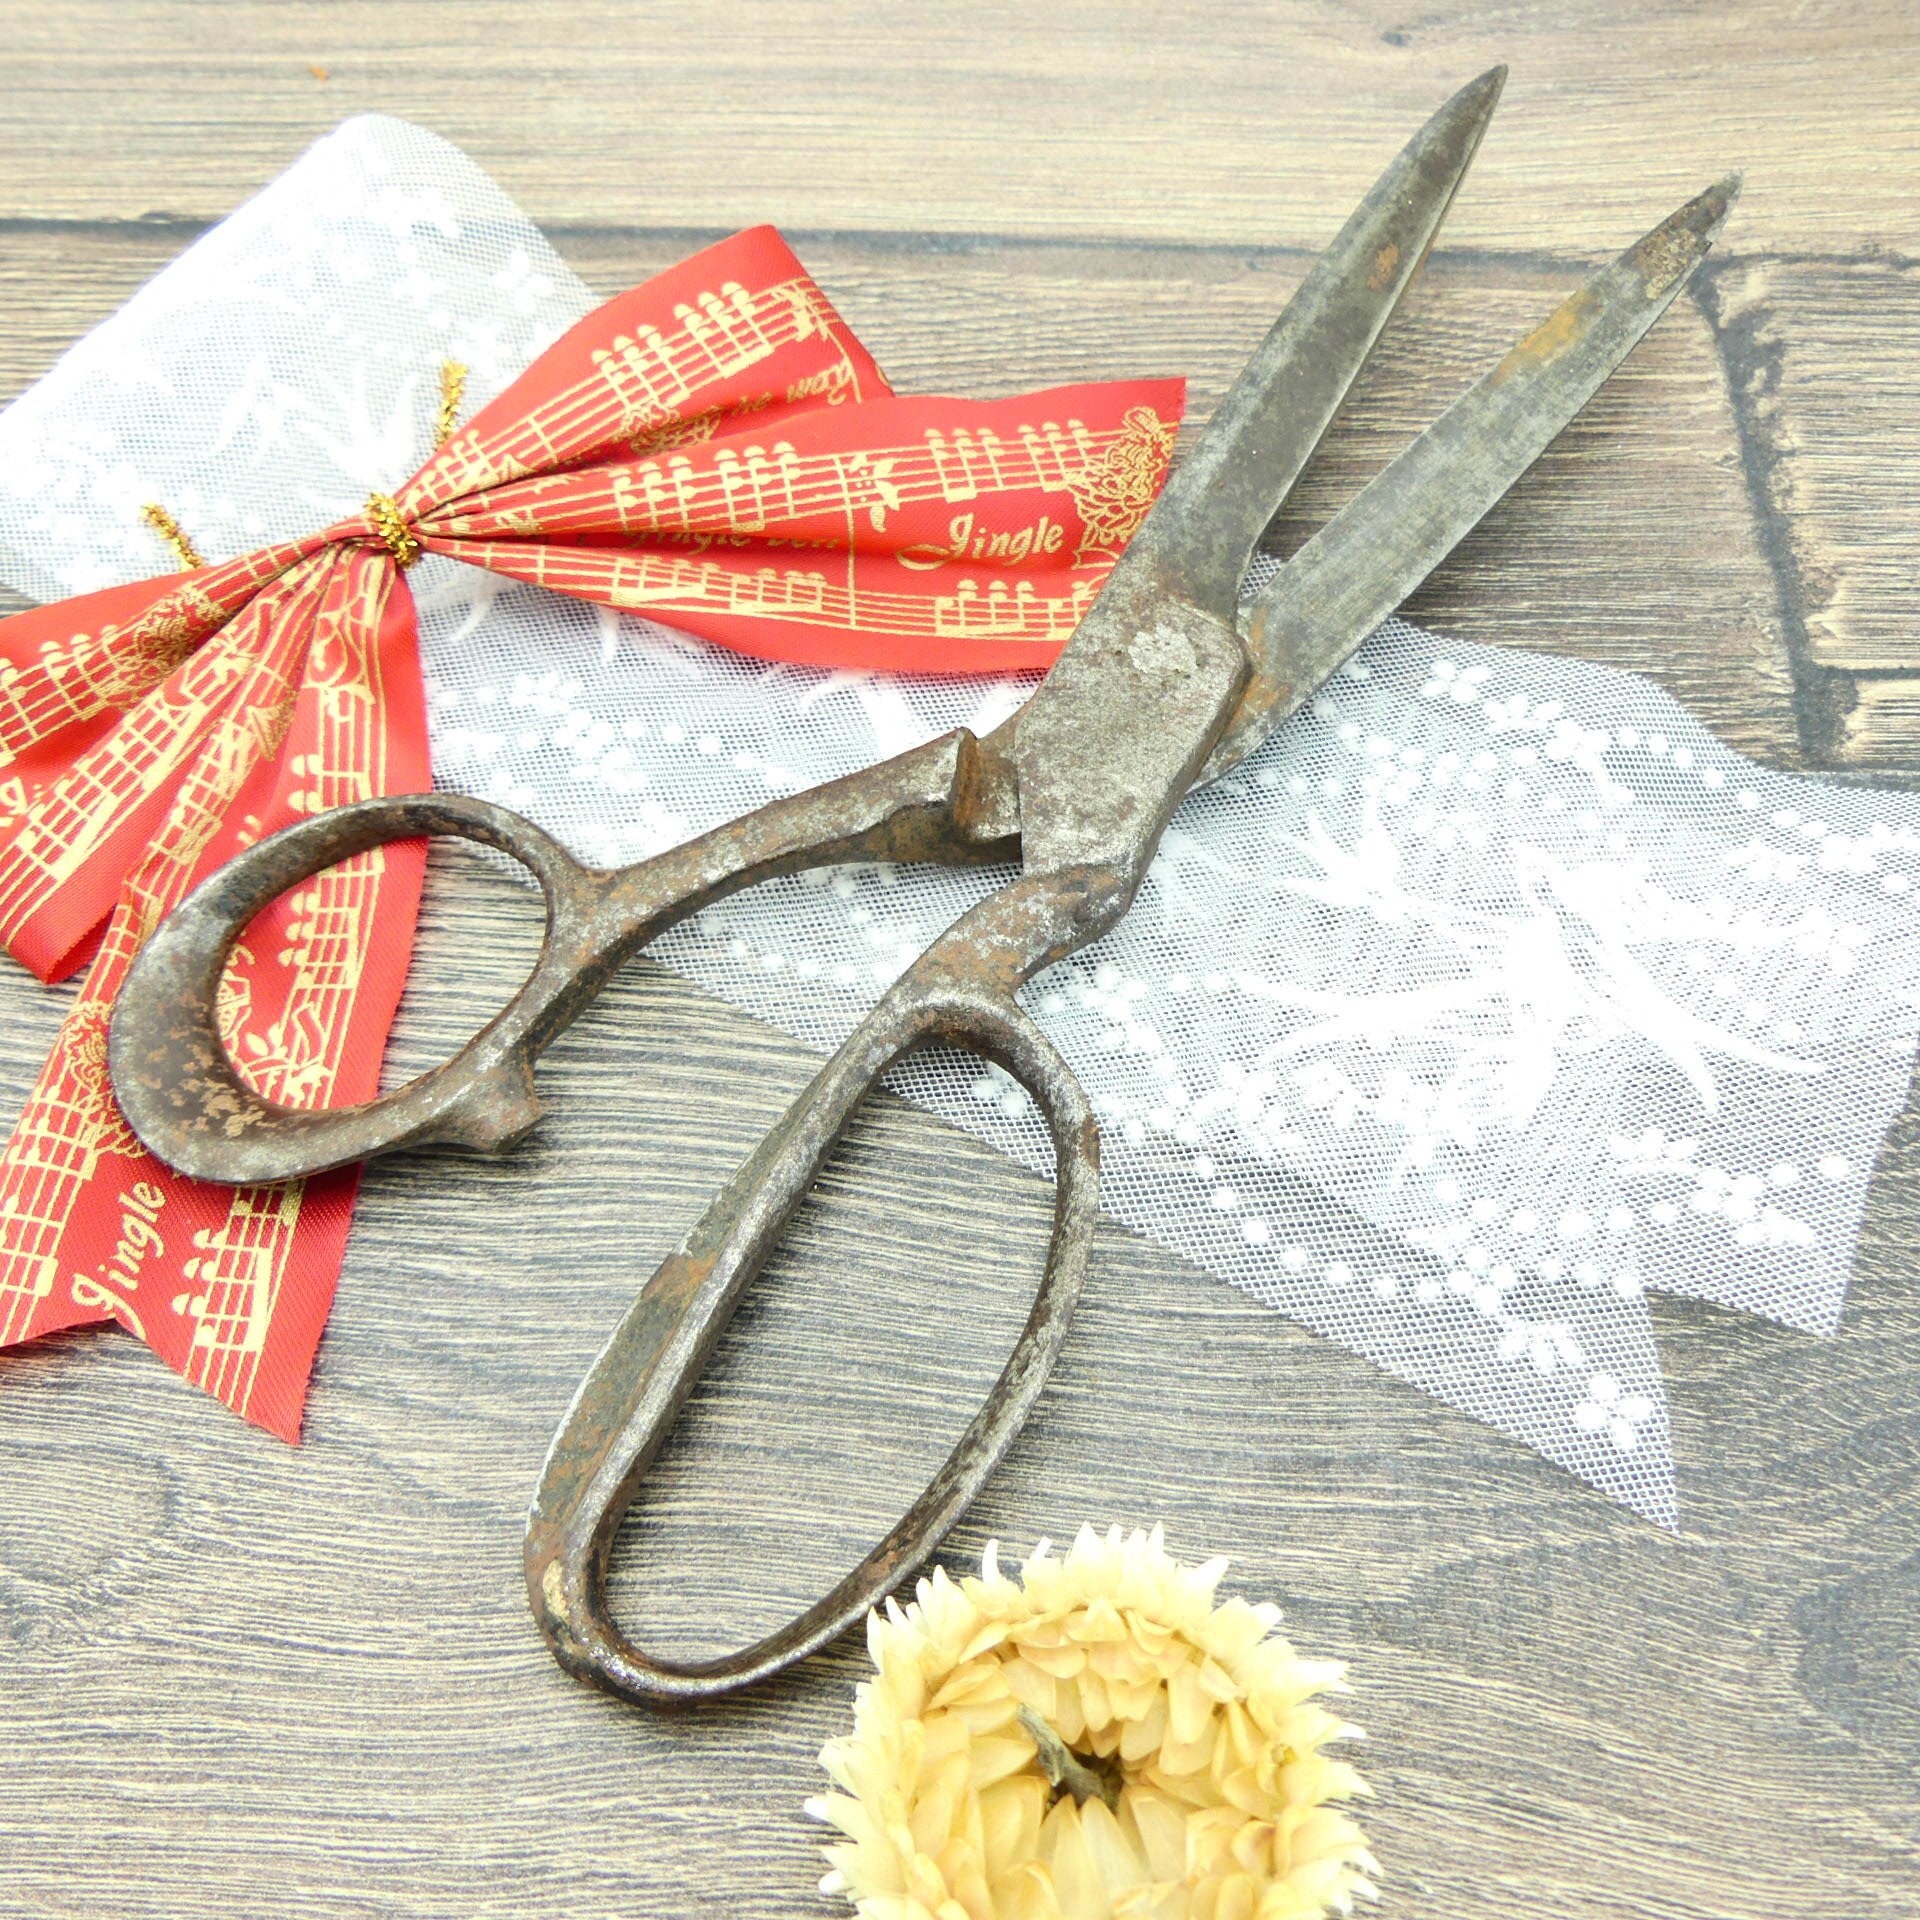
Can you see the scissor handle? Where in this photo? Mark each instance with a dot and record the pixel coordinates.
(183, 1096)
(631, 1397)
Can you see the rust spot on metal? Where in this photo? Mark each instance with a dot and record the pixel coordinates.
(1665, 253)
(1386, 263)
(1554, 336)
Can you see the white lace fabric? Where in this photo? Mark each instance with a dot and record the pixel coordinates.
(1491, 995)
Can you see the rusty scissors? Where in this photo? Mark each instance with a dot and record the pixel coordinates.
(1170, 680)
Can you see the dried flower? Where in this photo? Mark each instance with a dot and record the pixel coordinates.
(1095, 1739)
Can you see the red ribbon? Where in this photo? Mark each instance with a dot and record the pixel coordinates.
(713, 449)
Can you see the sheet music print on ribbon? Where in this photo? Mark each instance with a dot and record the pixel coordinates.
(1492, 995)
(714, 445)
(305, 716)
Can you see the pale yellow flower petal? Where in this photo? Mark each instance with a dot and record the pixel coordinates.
(1162, 1828)
(1010, 1815)
(1113, 1854)
(1076, 1879)
(998, 1757)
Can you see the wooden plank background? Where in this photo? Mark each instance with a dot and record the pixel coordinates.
(241, 1679)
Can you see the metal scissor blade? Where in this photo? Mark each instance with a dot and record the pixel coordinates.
(1223, 496)
(1366, 560)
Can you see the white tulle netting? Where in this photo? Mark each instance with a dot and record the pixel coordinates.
(1491, 995)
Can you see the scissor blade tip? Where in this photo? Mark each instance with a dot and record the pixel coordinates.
(1457, 126)
(1680, 242)
(1706, 213)
(1478, 96)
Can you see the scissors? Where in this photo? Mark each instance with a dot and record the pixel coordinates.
(1170, 680)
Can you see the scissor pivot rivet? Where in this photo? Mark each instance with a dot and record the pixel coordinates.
(1163, 653)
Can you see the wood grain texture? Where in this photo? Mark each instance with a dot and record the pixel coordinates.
(1078, 119)
(1821, 357)
(240, 1679)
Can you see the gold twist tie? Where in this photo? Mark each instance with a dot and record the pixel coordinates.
(169, 529)
(391, 525)
(453, 383)
(382, 509)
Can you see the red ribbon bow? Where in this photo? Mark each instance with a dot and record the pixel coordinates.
(714, 449)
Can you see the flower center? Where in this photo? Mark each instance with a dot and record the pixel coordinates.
(1087, 1776)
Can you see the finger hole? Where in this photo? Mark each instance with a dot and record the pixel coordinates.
(430, 937)
(852, 1369)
